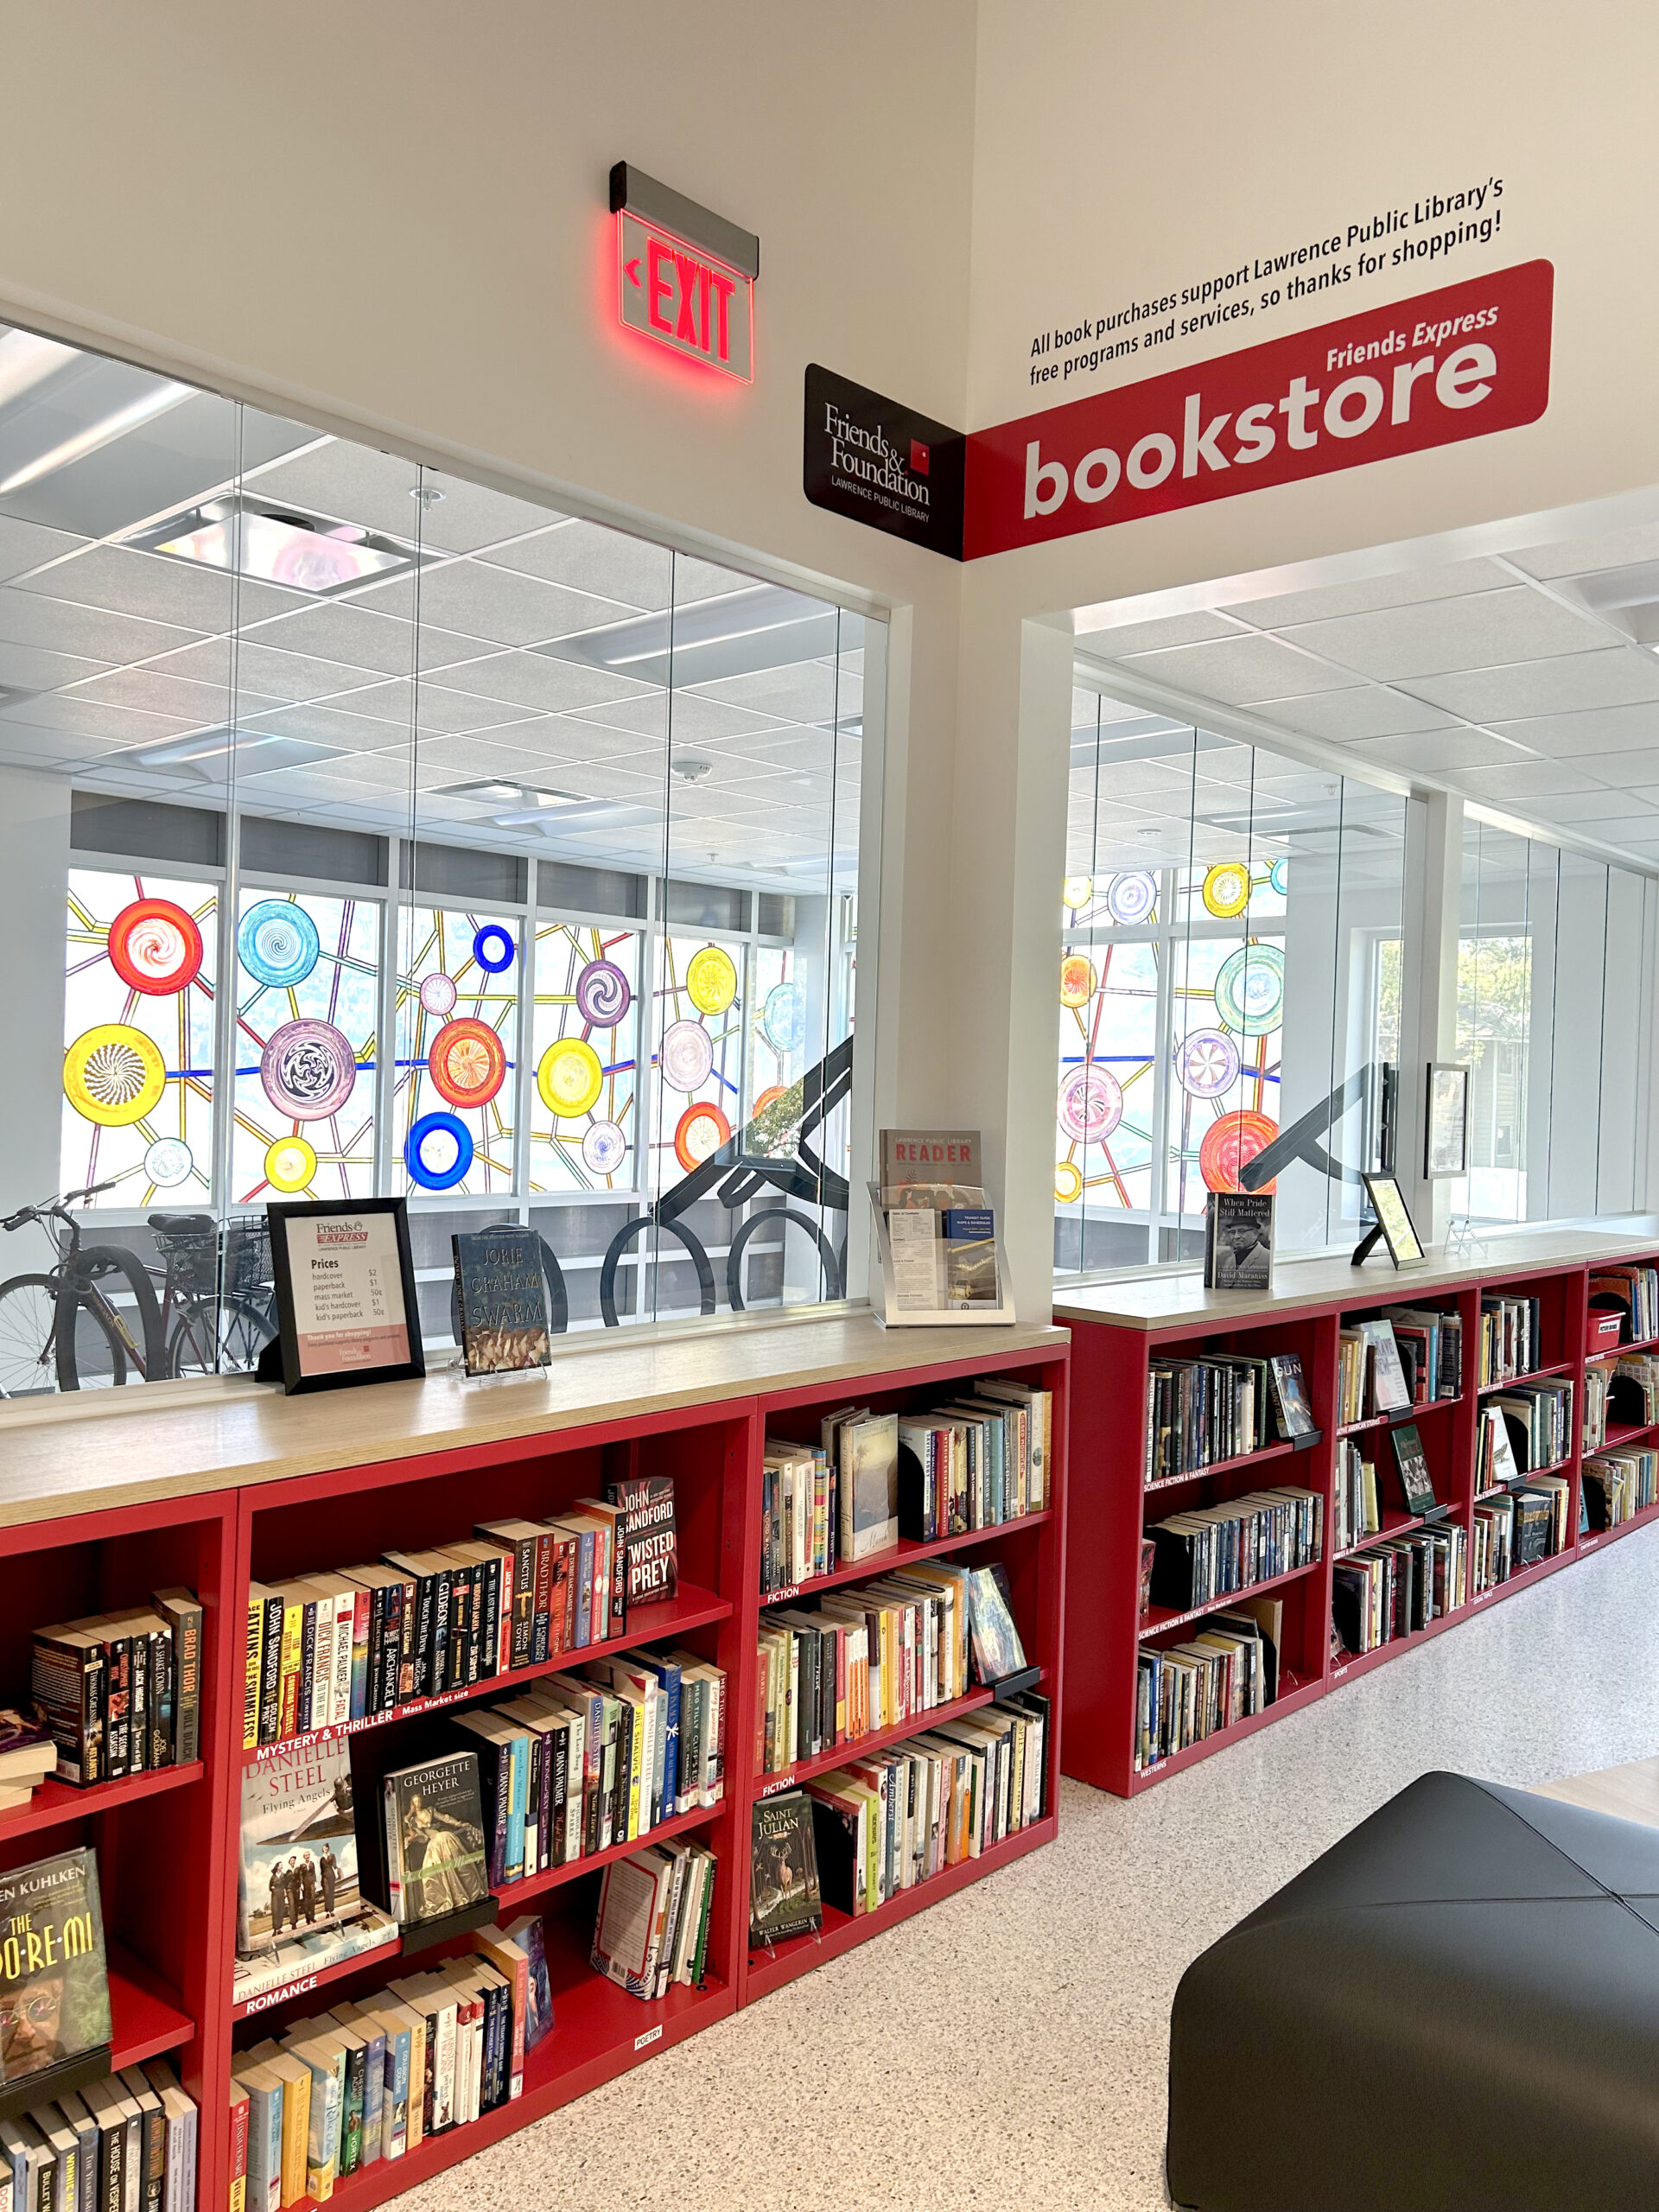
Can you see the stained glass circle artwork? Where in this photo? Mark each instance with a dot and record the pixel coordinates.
(438, 994)
(114, 1075)
(1078, 982)
(276, 942)
(604, 1147)
(1068, 1181)
(700, 1130)
(1229, 1141)
(437, 1151)
(1206, 1063)
(290, 1162)
(603, 993)
(154, 947)
(309, 1069)
(169, 1161)
(1250, 988)
(769, 1096)
(1076, 891)
(1227, 888)
(711, 979)
(688, 1055)
(1279, 875)
(1131, 897)
(1092, 1104)
(784, 1017)
(468, 1063)
(570, 1078)
(492, 948)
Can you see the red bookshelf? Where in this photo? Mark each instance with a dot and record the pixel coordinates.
(1112, 1501)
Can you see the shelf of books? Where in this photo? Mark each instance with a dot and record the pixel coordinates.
(1281, 1505)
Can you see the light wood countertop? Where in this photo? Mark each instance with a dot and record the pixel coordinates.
(1162, 1300)
(64, 1455)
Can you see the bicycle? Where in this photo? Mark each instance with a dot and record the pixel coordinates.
(220, 1291)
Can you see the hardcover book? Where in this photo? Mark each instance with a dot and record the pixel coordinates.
(54, 1993)
(504, 1325)
(648, 1539)
(1292, 1410)
(299, 1906)
(783, 1897)
(865, 1449)
(1238, 1241)
(435, 1858)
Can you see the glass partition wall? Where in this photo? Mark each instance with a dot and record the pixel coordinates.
(368, 830)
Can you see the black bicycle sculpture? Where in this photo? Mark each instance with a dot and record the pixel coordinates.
(744, 1166)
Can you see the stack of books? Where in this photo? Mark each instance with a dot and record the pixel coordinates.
(1517, 1530)
(1396, 1587)
(598, 1755)
(128, 2140)
(1511, 1340)
(1371, 1377)
(1538, 1417)
(1633, 1389)
(651, 1930)
(1618, 1484)
(1598, 1375)
(1430, 1344)
(1224, 1673)
(328, 1649)
(1216, 1549)
(120, 1694)
(29, 1754)
(1634, 1294)
(1356, 1507)
(1221, 1407)
(369, 2081)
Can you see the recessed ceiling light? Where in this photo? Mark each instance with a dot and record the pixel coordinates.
(305, 552)
(496, 791)
(257, 752)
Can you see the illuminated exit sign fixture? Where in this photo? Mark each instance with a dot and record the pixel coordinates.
(685, 275)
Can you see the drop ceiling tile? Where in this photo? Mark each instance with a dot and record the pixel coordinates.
(23, 668)
(537, 680)
(441, 709)
(24, 545)
(354, 483)
(502, 606)
(1194, 629)
(1524, 779)
(198, 704)
(802, 692)
(1579, 556)
(182, 592)
(1239, 671)
(1409, 588)
(1343, 717)
(72, 711)
(1434, 751)
(328, 726)
(1488, 630)
(90, 632)
(606, 564)
(1620, 676)
(294, 678)
(692, 719)
(1624, 771)
(1600, 729)
(345, 634)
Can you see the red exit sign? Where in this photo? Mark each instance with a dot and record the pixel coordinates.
(681, 297)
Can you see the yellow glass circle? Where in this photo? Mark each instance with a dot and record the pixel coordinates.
(1078, 981)
(711, 979)
(1068, 1182)
(569, 1077)
(114, 1075)
(1227, 888)
(1076, 891)
(290, 1162)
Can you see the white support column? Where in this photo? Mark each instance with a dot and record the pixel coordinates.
(1428, 1007)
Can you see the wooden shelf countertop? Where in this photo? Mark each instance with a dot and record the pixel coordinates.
(63, 1455)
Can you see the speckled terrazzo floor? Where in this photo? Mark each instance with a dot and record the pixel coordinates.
(1007, 2048)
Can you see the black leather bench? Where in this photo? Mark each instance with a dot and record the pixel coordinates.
(1455, 2009)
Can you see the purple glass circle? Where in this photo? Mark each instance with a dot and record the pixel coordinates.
(603, 993)
(309, 1069)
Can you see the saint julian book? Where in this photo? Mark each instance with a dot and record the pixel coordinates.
(54, 1991)
(299, 1906)
(503, 1301)
(784, 1871)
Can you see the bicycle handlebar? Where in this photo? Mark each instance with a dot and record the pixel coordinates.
(49, 1207)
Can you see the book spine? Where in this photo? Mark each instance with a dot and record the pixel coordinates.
(289, 1656)
(494, 1571)
(162, 1697)
(375, 1689)
(541, 1626)
(254, 1672)
(238, 2150)
(306, 1701)
(357, 1697)
(555, 1785)
(417, 1635)
(117, 1677)
(186, 1616)
(339, 1697)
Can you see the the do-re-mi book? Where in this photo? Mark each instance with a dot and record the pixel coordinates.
(503, 1327)
(1238, 1241)
(299, 1906)
(54, 1991)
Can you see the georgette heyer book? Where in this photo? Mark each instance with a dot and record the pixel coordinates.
(54, 1991)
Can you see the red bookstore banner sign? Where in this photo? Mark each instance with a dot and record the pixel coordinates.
(1458, 363)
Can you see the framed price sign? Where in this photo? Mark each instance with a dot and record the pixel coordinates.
(346, 1305)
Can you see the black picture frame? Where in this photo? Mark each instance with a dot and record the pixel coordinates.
(1393, 1223)
(294, 1376)
(1445, 1077)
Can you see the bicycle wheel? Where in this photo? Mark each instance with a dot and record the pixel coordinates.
(219, 1337)
(93, 1357)
(245, 1327)
(28, 1353)
(190, 1345)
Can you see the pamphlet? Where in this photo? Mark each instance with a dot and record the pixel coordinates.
(914, 1232)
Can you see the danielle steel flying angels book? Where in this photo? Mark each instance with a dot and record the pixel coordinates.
(299, 1907)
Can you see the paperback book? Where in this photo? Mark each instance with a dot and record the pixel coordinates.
(437, 1862)
(54, 1993)
(864, 1448)
(299, 1904)
(783, 1897)
(1412, 1461)
(503, 1298)
(1238, 1241)
(649, 1537)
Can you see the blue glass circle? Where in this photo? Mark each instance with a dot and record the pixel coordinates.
(429, 1126)
(492, 948)
(276, 942)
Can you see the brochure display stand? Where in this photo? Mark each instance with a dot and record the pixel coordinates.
(894, 1312)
